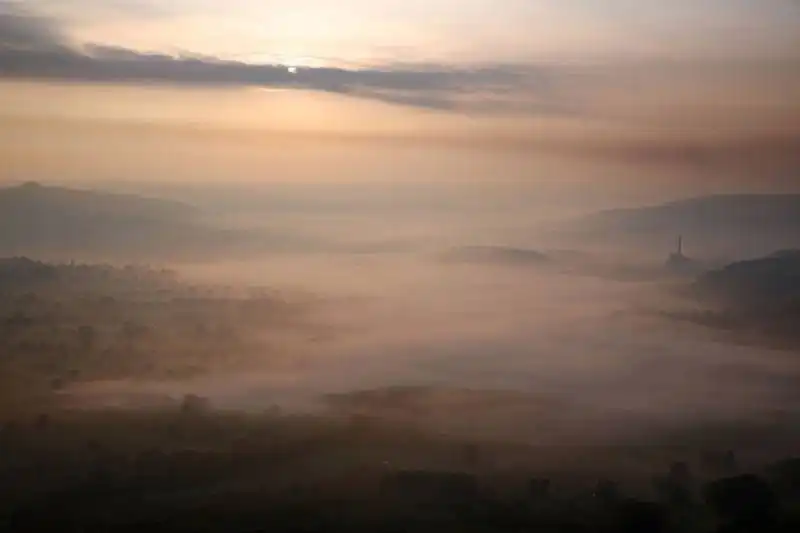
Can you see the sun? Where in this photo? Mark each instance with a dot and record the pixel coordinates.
(299, 61)
(292, 69)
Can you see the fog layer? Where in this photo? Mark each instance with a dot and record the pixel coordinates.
(527, 351)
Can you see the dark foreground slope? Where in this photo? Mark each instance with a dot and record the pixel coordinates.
(200, 471)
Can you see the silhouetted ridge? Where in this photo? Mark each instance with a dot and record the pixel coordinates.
(20, 270)
(768, 280)
(495, 254)
(37, 219)
(757, 300)
(759, 209)
(738, 224)
(34, 198)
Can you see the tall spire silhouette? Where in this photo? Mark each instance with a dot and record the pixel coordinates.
(679, 263)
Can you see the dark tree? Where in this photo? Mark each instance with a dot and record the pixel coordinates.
(719, 463)
(86, 337)
(539, 489)
(785, 476)
(634, 516)
(745, 500)
(195, 405)
(677, 487)
(42, 421)
(607, 492)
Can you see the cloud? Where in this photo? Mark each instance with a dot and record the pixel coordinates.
(24, 32)
(106, 9)
(33, 47)
(652, 96)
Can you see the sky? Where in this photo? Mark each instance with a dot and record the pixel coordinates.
(322, 32)
(676, 81)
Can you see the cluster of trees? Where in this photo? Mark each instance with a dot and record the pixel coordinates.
(61, 323)
(193, 469)
(679, 500)
(31, 273)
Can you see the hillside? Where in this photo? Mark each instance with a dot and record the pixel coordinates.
(770, 281)
(62, 223)
(32, 199)
(758, 300)
(499, 255)
(735, 225)
(37, 218)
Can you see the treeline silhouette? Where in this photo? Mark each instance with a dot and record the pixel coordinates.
(65, 323)
(193, 469)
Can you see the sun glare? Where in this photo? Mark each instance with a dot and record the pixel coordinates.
(301, 61)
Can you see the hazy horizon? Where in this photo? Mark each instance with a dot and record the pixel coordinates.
(179, 93)
(399, 238)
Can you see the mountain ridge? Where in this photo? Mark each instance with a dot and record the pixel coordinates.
(738, 225)
(38, 218)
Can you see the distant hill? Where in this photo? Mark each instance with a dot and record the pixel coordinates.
(769, 281)
(40, 219)
(34, 199)
(501, 255)
(758, 300)
(22, 271)
(738, 225)
(63, 223)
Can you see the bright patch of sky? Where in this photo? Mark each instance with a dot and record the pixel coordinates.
(351, 32)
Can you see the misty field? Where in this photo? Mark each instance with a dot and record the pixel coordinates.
(136, 397)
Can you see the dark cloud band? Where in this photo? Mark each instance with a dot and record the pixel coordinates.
(33, 47)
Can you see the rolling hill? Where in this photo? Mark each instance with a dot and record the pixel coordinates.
(38, 219)
(741, 225)
(497, 255)
(757, 299)
(771, 281)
